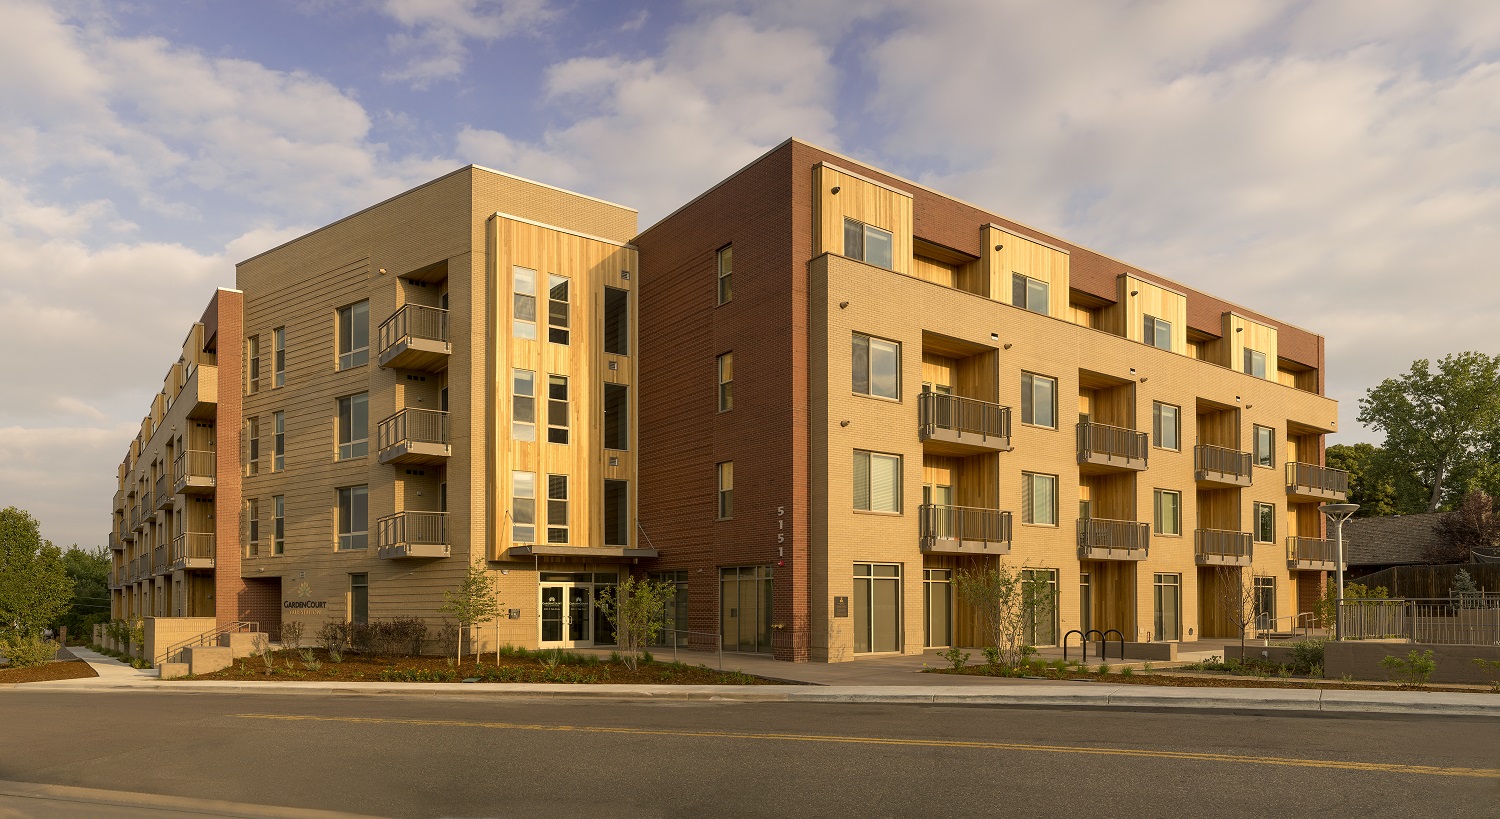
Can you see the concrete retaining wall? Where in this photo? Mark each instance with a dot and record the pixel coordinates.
(1360, 659)
(164, 632)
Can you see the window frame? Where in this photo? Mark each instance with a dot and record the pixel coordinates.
(560, 334)
(252, 364)
(1157, 427)
(1154, 330)
(560, 505)
(1021, 284)
(278, 524)
(252, 445)
(353, 447)
(613, 426)
(278, 358)
(898, 500)
(1028, 398)
(518, 399)
(252, 526)
(359, 598)
(1255, 455)
(725, 259)
(1253, 357)
(624, 523)
(523, 328)
(861, 253)
(1160, 581)
(345, 515)
(278, 441)
(1029, 481)
(870, 344)
(1158, 526)
(559, 433)
(353, 356)
(616, 310)
(726, 384)
(867, 604)
(1256, 509)
(521, 480)
(724, 493)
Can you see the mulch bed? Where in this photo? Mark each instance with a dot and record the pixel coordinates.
(1203, 679)
(290, 666)
(69, 670)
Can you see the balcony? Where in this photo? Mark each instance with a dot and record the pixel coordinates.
(135, 570)
(412, 535)
(1311, 553)
(127, 534)
(119, 501)
(194, 472)
(202, 390)
(415, 338)
(159, 560)
(1103, 448)
(1218, 547)
(163, 493)
(1310, 483)
(115, 544)
(964, 530)
(413, 436)
(138, 517)
(954, 425)
(1220, 467)
(193, 550)
(1100, 539)
(148, 505)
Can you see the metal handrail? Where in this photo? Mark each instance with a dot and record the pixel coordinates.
(174, 652)
(413, 321)
(963, 523)
(413, 528)
(1098, 533)
(1114, 442)
(1302, 618)
(1313, 476)
(1311, 549)
(193, 545)
(412, 424)
(196, 463)
(1209, 458)
(986, 419)
(1222, 543)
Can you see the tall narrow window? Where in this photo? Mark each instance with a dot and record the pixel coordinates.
(354, 426)
(877, 482)
(557, 508)
(1029, 294)
(726, 382)
(557, 309)
(877, 607)
(616, 513)
(1166, 425)
(1167, 606)
(252, 365)
(252, 446)
(523, 507)
(1265, 602)
(876, 366)
(278, 524)
(1039, 605)
(252, 526)
(1038, 400)
(726, 490)
(1265, 446)
(616, 416)
(1157, 333)
(1255, 363)
(1038, 499)
(523, 322)
(278, 441)
(278, 357)
(557, 409)
(354, 335)
(359, 598)
(1265, 523)
(867, 243)
(354, 517)
(726, 274)
(523, 405)
(1168, 512)
(616, 321)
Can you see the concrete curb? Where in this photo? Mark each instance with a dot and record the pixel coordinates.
(1077, 695)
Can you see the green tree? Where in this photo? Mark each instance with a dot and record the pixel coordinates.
(635, 609)
(475, 602)
(1442, 424)
(1005, 599)
(90, 573)
(1473, 523)
(34, 585)
(1371, 484)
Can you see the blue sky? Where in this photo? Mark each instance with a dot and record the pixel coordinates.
(1334, 164)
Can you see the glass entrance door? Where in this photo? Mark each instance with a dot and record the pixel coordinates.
(552, 615)
(567, 615)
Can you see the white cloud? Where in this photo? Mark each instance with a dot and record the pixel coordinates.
(436, 32)
(63, 475)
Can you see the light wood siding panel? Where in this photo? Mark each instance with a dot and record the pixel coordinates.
(932, 270)
(1239, 333)
(937, 369)
(864, 201)
(1018, 254)
(978, 376)
(1126, 317)
(1219, 428)
(1219, 509)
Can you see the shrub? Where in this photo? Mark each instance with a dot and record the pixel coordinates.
(334, 634)
(1306, 654)
(956, 658)
(992, 655)
(1493, 666)
(291, 636)
(24, 651)
(1103, 669)
(1127, 671)
(1413, 670)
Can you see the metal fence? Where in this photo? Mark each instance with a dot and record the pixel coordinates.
(1317, 477)
(967, 415)
(1461, 620)
(411, 425)
(1114, 442)
(963, 523)
(1221, 459)
(414, 321)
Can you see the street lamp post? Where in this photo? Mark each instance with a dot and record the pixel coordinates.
(1337, 513)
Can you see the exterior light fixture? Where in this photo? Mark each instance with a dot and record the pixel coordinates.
(843, 423)
(843, 305)
(1337, 513)
(1007, 345)
(1135, 292)
(835, 189)
(994, 336)
(999, 247)
(1239, 329)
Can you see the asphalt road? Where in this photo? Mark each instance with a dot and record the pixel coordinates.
(448, 756)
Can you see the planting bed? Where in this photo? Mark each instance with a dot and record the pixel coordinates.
(46, 672)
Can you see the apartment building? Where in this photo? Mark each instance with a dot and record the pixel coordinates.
(853, 387)
(445, 379)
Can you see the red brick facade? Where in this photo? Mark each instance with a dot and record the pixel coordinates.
(223, 324)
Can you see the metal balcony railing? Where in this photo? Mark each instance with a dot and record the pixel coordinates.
(1320, 479)
(1127, 536)
(1220, 459)
(966, 416)
(963, 523)
(1222, 546)
(412, 528)
(1102, 440)
(412, 426)
(413, 321)
(159, 560)
(194, 466)
(192, 547)
(1311, 550)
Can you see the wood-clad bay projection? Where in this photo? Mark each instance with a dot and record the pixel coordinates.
(1137, 298)
(866, 201)
(1007, 253)
(567, 453)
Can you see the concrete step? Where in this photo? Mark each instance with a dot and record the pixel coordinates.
(207, 659)
(171, 671)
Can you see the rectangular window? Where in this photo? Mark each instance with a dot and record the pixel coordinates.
(616, 513)
(1038, 499)
(252, 446)
(523, 322)
(354, 517)
(278, 357)
(523, 507)
(1265, 523)
(877, 482)
(557, 409)
(1167, 605)
(726, 490)
(877, 367)
(1265, 446)
(726, 382)
(354, 335)
(1038, 400)
(1039, 604)
(1168, 512)
(726, 274)
(278, 441)
(1157, 333)
(557, 309)
(252, 525)
(557, 508)
(359, 598)
(1166, 425)
(354, 426)
(523, 405)
(1255, 363)
(937, 608)
(1265, 603)
(252, 365)
(1028, 293)
(867, 243)
(616, 416)
(616, 321)
(877, 607)
(278, 524)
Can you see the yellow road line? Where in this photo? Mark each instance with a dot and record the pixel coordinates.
(1377, 767)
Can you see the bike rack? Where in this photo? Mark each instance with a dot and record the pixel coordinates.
(1104, 643)
(1081, 644)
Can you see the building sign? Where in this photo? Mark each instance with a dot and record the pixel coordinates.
(304, 590)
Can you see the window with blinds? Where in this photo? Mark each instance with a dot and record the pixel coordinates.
(1038, 400)
(1038, 499)
(877, 367)
(523, 507)
(557, 508)
(1168, 517)
(726, 490)
(1166, 426)
(523, 405)
(523, 306)
(1255, 363)
(726, 382)
(877, 482)
(557, 309)
(1157, 333)
(726, 274)
(1028, 293)
(867, 243)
